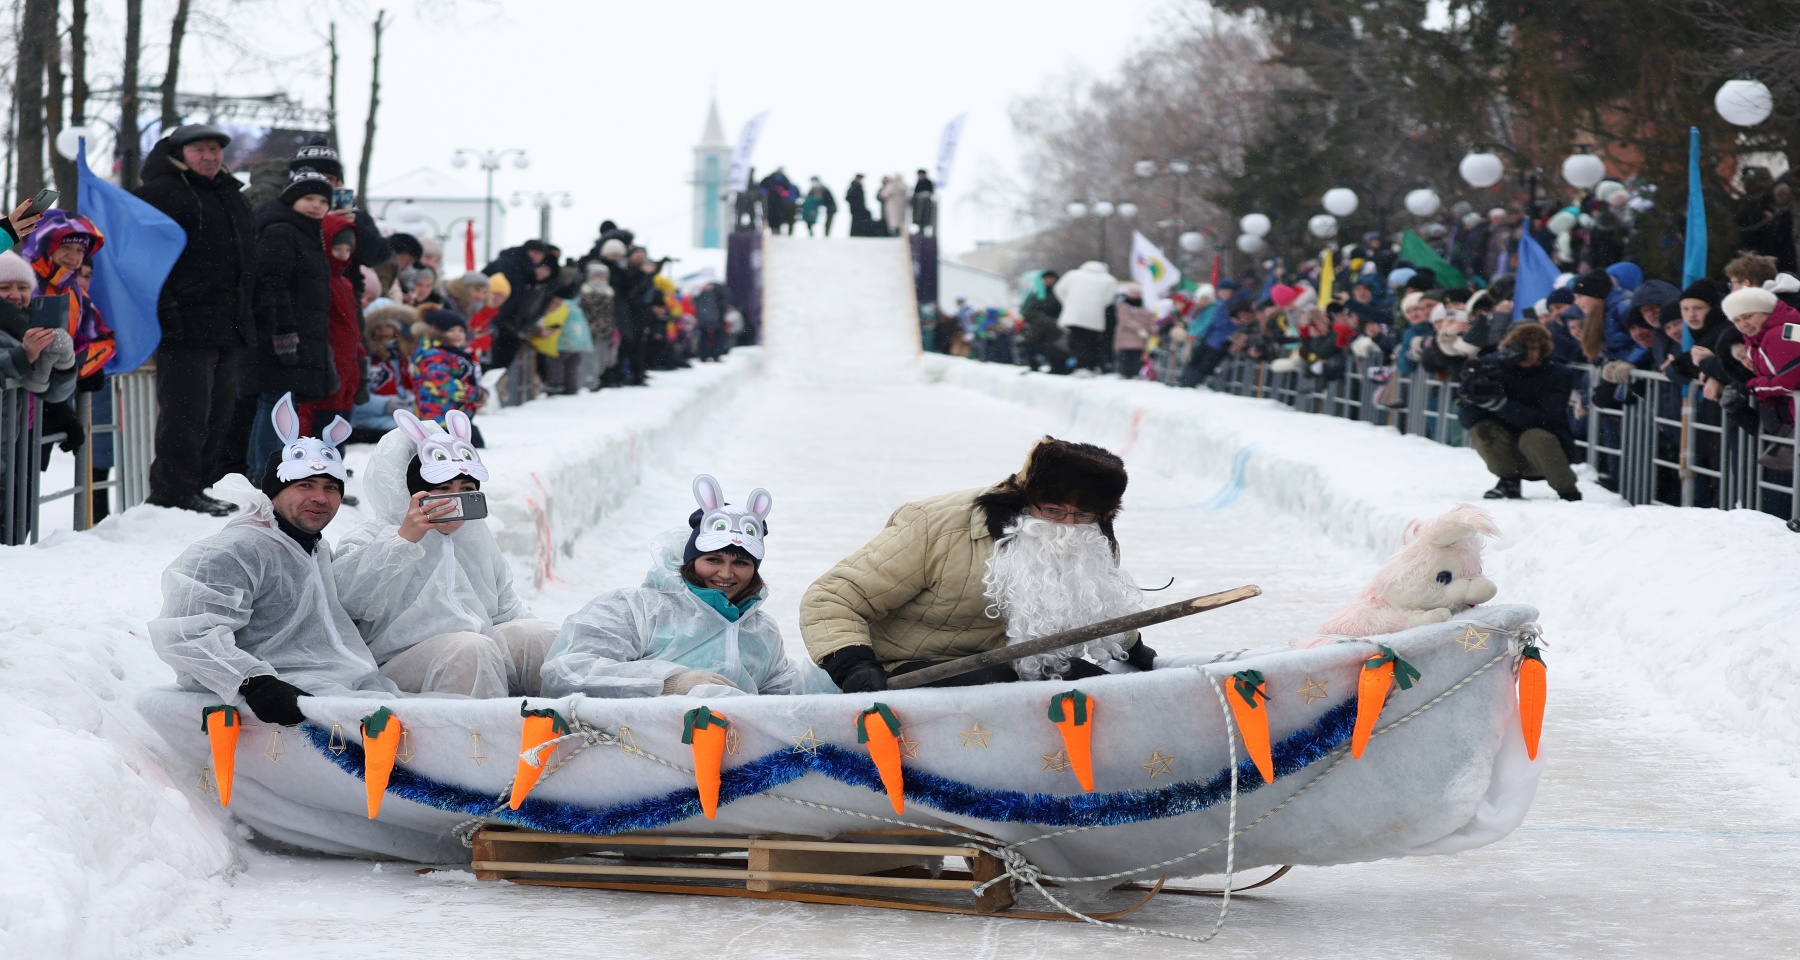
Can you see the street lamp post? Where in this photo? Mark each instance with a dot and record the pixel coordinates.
(1103, 209)
(543, 202)
(490, 162)
(1176, 171)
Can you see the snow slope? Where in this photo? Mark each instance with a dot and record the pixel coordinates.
(1691, 611)
(841, 310)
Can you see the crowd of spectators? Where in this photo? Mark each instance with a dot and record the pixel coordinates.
(1525, 375)
(304, 293)
(775, 200)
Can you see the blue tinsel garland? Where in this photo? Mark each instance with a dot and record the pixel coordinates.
(1295, 752)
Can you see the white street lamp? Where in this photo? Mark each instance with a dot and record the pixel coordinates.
(1076, 209)
(1193, 241)
(1251, 244)
(1744, 103)
(1322, 225)
(1144, 168)
(1340, 201)
(1255, 224)
(1179, 167)
(1583, 170)
(409, 214)
(490, 161)
(1481, 170)
(1128, 209)
(68, 142)
(1103, 208)
(1423, 202)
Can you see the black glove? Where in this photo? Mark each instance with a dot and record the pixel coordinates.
(362, 385)
(855, 670)
(1491, 404)
(287, 348)
(1141, 656)
(273, 700)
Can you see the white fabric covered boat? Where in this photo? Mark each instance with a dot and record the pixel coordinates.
(1446, 770)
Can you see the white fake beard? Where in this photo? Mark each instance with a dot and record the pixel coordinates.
(1048, 577)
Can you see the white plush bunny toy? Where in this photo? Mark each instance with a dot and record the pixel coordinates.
(308, 456)
(718, 525)
(442, 456)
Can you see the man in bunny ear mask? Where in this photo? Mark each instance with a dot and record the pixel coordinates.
(434, 596)
(967, 572)
(252, 611)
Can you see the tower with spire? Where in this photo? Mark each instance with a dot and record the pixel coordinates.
(712, 161)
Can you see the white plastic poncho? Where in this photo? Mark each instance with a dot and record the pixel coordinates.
(625, 643)
(248, 601)
(401, 593)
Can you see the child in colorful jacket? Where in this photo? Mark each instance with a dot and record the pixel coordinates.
(57, 251)
(444, 374)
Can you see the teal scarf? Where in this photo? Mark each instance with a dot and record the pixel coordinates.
(716, 600)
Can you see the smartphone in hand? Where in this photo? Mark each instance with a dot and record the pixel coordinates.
(45, 199)
(470, 506)
(343, 198)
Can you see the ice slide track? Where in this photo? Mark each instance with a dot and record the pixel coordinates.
(840, 311)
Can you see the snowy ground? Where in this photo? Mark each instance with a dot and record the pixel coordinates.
(1665, 825)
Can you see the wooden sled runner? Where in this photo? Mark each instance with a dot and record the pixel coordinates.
(838, 872)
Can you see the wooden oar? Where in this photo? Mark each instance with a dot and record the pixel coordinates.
(1070, 638)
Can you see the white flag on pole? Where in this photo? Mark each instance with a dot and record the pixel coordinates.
(746, 146)
(1150, 269)
(947, 150)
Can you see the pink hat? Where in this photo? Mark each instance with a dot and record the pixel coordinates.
(1282, 294)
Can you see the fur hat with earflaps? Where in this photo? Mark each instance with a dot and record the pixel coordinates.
(1059, 472)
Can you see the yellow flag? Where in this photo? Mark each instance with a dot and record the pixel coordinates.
(1326, 275)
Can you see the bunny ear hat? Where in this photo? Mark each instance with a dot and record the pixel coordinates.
(303, 457)
(444, 455)
(718, 525)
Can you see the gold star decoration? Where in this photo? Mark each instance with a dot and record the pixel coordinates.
(1159, 764)
(273, 748)
(628, 742)
(336, 744)
(733, 742)
(405, 754)
(975, 736)
(1473, 639)
(205, 783)
(909, 748)
(478, 754)
(808, 744)
(1057, 762)
(1311, 690)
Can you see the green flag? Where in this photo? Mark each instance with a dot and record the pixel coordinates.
(1420, 253)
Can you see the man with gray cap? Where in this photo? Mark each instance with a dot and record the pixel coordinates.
(204, 310)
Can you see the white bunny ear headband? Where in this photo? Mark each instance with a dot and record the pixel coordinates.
(303, 457)
(718, 525)
(444, 455)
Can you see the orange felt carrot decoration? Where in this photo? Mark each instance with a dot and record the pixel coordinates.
(1531, 698)
(541, 727)
(705, 730)
(884, 748)
(1252, 718)
(1073, 714)
(222, 725)
(381, 743)
(1379, 672)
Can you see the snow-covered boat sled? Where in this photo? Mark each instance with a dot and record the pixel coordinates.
(1446, 767)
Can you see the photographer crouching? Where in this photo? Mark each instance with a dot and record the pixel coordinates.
(1515, 408)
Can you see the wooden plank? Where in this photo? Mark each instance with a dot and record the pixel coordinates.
(735, 843)
(799, 896)
(1070, 638)
(597, 869)
(837, 862)
(997, 898)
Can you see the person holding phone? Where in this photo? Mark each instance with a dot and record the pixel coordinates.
(432, 594)
(17, 225)
(40, 357)
(57, 251)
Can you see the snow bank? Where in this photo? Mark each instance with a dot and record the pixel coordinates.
(112, 851)
(1690, 613)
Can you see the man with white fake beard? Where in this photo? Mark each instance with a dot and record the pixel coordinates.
(971, 571)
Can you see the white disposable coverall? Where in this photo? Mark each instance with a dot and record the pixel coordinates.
(625, 643)
(440, 615)
(248, 601)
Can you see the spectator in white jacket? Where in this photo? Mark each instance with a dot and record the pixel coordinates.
(1085, 294)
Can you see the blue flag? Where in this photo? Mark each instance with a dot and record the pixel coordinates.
(1693, 264)
(1536, 277)
(142, 245)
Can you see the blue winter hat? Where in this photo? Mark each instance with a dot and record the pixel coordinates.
(1630, 276)
(1399, 277)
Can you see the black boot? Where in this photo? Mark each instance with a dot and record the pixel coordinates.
(1572, 494)
(1506, 489)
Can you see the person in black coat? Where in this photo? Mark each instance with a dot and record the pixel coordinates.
(1515, 408)
(293, 307)
(204, 310)
(528, 268)
(372, 249)
(861, 223)
(924, 204)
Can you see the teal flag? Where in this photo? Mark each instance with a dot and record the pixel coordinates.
(1420, 253)
(1693, 262)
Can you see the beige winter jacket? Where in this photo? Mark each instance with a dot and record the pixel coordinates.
(914, 592)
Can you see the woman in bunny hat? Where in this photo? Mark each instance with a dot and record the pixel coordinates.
(696, 625)
(434, 598)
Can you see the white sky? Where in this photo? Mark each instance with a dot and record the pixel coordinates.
(609, 98)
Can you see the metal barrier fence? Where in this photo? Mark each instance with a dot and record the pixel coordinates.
(24, 445)
(1660, 441)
